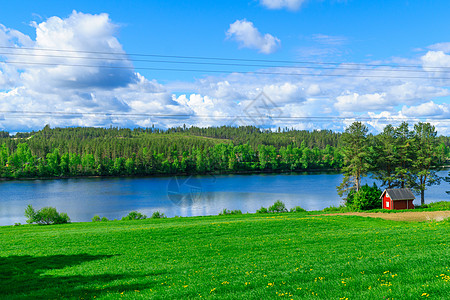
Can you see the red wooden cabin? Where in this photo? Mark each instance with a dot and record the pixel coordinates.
(397, 199)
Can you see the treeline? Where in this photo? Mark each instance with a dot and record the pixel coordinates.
(82, 151)
(221, 157)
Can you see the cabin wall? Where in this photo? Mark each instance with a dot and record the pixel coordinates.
(387, 202)
(403, 204)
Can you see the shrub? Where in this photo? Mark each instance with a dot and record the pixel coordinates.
(134, 215)
(340, 208)
(331, 209)
(278, 207)
(62, 219)
(230, 212)
(366, 198)
(46, 215)
(97, 218)
(297, 209)
(441, 205)
(30, 214)
(262, 210)
(158, 215)
(17, 224)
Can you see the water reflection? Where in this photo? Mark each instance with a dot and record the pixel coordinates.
(177, 196)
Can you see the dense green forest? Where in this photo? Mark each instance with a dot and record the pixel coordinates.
(81, 151)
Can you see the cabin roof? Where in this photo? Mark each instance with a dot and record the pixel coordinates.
(399, 194)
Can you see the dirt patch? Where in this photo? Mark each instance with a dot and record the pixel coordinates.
(413, 216)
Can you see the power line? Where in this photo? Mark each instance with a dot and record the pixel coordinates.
(226, 71)
(219, 58)
(221, 64)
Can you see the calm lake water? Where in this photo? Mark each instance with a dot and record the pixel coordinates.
(177, 196)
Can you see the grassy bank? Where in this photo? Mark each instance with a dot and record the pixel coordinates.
(228, 257)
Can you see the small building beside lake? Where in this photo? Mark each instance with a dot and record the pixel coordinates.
(397, 199)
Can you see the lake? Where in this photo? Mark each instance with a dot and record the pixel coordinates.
(82, 198)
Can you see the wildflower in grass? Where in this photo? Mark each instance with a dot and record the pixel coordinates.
(444, 277)
(425, 295)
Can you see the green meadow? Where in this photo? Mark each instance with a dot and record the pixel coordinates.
(250, 256)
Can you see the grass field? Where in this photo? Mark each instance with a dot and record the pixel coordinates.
(291, 255)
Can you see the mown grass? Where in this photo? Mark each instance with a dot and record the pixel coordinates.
(228, 257)
(433, 206)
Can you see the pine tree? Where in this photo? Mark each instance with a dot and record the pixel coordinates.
(354, 149)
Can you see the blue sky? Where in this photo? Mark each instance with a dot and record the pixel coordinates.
(363, 32)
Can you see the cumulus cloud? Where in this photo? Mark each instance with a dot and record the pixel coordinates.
(356, 102)
(248, 36)
(426, 109)
(60, 81)
(76, 35)
(280, 4)
(435, 59)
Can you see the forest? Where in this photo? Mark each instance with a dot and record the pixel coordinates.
(83, 151)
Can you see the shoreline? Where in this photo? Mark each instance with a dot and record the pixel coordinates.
(412, 215)
(337, 171)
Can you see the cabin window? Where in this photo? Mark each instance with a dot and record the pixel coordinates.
(387, 204)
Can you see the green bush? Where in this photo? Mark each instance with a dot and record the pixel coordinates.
(278, 207)
(134, 215)
(332, 209)
(97, 218)
(158, 215)
(63, 218)
(366, 198)
(441, 205)
(297, 209)
(230, 212)
(340, 208)
(262, 210)
(46, 215)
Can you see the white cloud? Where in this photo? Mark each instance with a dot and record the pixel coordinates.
(440, 47)
(79, 32)
(379, 121)
(10, 37)
(63, 87)
(248, 36)
(355, 102)
(280, 4)
(426, 109)
(435, 59)
(284, 93)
